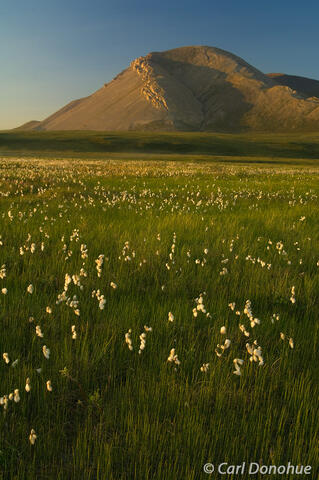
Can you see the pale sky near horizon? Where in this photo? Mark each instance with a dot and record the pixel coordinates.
(53, 52)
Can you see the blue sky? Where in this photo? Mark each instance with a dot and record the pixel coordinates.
(53, 51)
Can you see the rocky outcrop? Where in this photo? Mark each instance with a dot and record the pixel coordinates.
(150, 89)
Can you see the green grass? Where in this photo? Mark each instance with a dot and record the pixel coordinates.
(119, 415)
(258, 148)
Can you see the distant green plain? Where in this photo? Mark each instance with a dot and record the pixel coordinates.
(259, 148)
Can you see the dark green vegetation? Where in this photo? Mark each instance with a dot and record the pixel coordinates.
(119, 415)
(297, 149)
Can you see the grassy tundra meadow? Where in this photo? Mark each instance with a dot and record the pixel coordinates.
(158, 314)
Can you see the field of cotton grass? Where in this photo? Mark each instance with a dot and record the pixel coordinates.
(155, 317)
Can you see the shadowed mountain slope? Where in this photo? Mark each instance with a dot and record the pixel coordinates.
(308, 86)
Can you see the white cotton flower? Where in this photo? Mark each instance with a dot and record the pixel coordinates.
(243, 329)
(4, 291)
(170, 317)
(204, 368)
(99, 263)
(6, 358)
(128, 339)
(113, 285)
(291, 343)
(249, 348)
(3, 270)
(223, 330)
(102, 302)
(49, 386)
(255, 353)
(199, 304)
(221, 348)
(237, 370)
(76, 280)
(74, 334)
(32, 437)
(224, 271)
(67, 281)
(38, 331)
(237, 363)
(27, 385)
(48, 310)
(254, 321)
(173, 357)
(46, 352)
(84, 251)
(275, 316)
(282, 336)
(16, 397)
(143, 342)
(83, 273)
(4, 401)
(30, 289)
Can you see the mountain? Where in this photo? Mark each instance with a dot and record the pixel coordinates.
(190, 88)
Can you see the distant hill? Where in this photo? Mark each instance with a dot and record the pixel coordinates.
(32, 125)
(191, 88)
